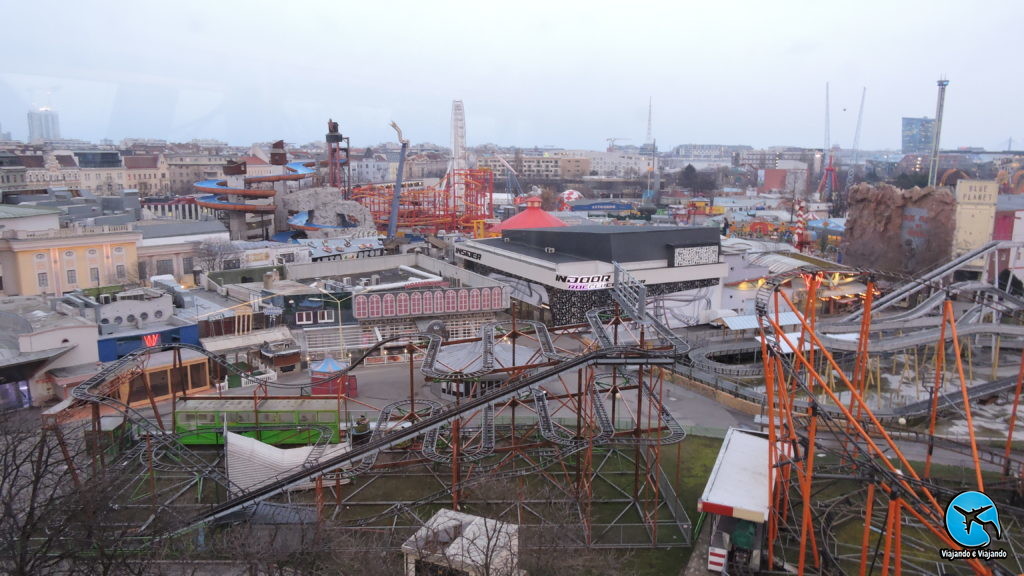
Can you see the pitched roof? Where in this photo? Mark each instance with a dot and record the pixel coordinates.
(141, 162)
(66, 161)
(33, 161)
(254, 160)
(532, 217)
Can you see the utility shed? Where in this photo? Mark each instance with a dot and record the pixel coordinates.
(738, 485)
(737, 497)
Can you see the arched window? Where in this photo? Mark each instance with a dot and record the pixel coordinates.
(496, 299)
(451, 301)
(389, 305)
(474, 299)
(438, 302)
(359, 307)
(402, 304)
(428, 303)
(374, 306)
(463, 300)
(416, 303)
(485, 298)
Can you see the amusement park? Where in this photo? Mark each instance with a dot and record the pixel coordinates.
(529, 397)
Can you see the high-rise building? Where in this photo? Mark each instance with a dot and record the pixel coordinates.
(43, 124)
(4, 136)
(918, 134)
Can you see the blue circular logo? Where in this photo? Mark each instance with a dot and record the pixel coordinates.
(972, 520)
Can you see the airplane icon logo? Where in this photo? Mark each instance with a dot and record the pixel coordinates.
(967, 510)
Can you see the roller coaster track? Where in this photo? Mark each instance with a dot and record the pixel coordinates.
(382, 440)
(547, 427)
(486, 448)
(915, 285)
(597, 327)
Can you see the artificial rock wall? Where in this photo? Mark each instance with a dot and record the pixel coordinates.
(899, 231)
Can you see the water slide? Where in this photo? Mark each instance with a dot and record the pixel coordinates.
(219, 194)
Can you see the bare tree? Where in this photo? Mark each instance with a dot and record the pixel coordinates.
(211, 254)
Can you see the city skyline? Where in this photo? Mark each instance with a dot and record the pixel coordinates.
(568, 75)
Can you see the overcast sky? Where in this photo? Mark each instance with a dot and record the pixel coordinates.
(568, 74)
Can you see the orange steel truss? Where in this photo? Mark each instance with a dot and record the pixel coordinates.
(432, 209)
(799, 380)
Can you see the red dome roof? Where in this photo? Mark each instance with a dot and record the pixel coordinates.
(532, 217)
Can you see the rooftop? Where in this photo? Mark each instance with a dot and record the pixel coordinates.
(168, 228)
(603, 243)
(19, 211)
(141, 162)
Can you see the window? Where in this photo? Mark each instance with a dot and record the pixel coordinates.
(187, 265)
(92, 251)
(451, 301)
(43, 280)
(232, 264)
(474, 299)
(119, 270)
(94, 275)
(303, 317)
(402, 304)
(165, 266)
(72, 277)
(485, 299)
(324, 316)
(119, 250)
(288, 257)
(40, 256)
(360, 306)
(416, 303)
(374, 306)
(428, 303)
(389, 305)
(463, 300)
(438, 302)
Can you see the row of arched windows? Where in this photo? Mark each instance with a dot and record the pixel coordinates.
(426, 302)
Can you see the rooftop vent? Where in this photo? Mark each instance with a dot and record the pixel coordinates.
(549, 250)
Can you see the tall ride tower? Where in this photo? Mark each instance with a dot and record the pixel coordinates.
(338, 159)
(460, 158)
(933, 166)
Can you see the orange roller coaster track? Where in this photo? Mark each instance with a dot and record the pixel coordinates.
(433, 208)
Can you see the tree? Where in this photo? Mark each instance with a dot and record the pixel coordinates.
(688, 177)
(211, 254)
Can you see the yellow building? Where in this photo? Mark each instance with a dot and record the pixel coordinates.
(39, 257)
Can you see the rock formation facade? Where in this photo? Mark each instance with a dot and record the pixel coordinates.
(899, 231)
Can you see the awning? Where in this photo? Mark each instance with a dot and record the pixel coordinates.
(749, 321)
(252, 340)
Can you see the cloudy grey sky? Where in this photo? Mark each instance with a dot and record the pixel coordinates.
(530, 72)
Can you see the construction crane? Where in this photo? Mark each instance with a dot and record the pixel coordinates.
(611, 142)
(511, 179)
(852, 172)
(829, 182)
(395, 198)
